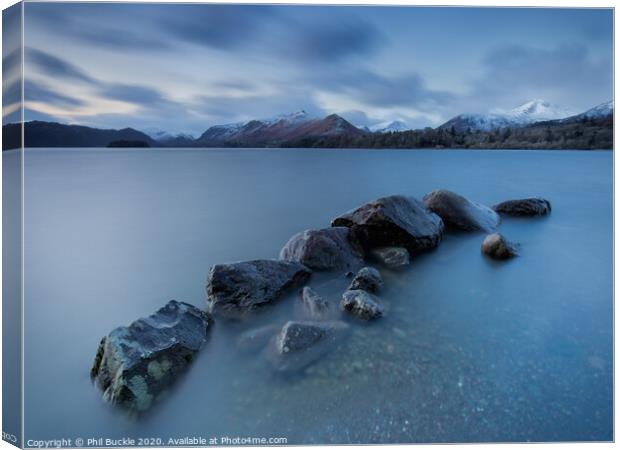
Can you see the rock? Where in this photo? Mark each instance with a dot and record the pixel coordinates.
(391, 257)
(136, 364)
(394, 221)
(497, 247)
(314, 305)
(256, 338)
(235, 289)
(361, 304)
(459, 213)
(300, 343)
(325, 249)
(367, 279)
(524, 207)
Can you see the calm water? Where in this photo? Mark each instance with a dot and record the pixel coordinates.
(469, 350)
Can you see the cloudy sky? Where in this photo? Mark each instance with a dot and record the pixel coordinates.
(183, 67)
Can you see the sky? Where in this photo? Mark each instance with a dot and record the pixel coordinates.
(185, 67)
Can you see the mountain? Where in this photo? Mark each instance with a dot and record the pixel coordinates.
(276, 131)
(527, 113)
(599, 111)
(167, 138)
(52, 134)
(390, 127)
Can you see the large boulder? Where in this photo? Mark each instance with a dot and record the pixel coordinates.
(314, 305)
(367, 279)
(497, 247)
(459, 213)
(235, 289)
(534, 206)
(325, 249)
(391, 257)
(361, 304)
(300, 343)
(135, 365)
(393, 221)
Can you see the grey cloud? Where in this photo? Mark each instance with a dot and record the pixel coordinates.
(40, 93)
(55, 66)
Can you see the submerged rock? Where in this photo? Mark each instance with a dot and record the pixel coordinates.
(394, 221)
(497, 247)
(459, 213)
(300, 343)
(391, 257)
(361, 304)
(534, 206)
(235, 289)
(256, 338)
(367, 279)
(136, 364)
(325, 249)
(314, 305)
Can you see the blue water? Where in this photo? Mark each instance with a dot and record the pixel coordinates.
(469, 350)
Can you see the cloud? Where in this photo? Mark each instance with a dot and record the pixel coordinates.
(131, 93)
(36, 92)
(55, 66)
(565, 73)
(221, 27)
(333, 41)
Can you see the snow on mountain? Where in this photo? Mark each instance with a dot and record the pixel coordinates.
(390, 127)
(164, 136)
(530, 112)
(602, 110)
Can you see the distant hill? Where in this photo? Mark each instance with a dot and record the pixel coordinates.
(525, 114)
(51, 134)
(276, 132)
(532, 125)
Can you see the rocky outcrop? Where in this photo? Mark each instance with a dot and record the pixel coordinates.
(300, 343)
(235, 289)
(459, 213)
(135, 365)
(361, 304)
(525, 207)
(393, 221)
(391, 257)
(497, 247)
(326, 249)
(367, 279)
(314, 305)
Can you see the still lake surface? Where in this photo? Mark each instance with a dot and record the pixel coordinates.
(469, 349)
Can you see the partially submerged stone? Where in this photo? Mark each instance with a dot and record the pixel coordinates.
(235, 289)
(391, 257)
(314, 305)
(256, 339)
(361, 304)
(325, 249)
(396, 220)
(497, 247)
(367, 279)
(300, 343)
(135, 365)
(459, 213)
(524, 207)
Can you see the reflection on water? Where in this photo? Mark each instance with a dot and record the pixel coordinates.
(469, 349)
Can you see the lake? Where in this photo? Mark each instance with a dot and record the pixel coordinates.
(468, 350)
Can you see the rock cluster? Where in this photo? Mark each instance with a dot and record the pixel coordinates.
(135, 365)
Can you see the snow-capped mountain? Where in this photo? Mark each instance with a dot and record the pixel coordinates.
(530, 112)
(164, 136)
(599, 111)
(275, 130)
(390, 127)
